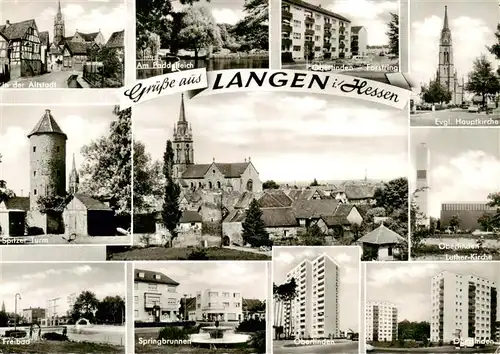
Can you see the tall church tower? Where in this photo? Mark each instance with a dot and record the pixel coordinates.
(59, 28)
(182, 143)
(422, 197)
(47, 159)
(446, 74)
(74, 179)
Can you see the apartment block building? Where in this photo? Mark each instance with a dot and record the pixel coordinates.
(155, 297)
(462, 306)
(359, 41)
(34, 315)
(381, 324)
(309, 31)
(314, 313)
(219, 305)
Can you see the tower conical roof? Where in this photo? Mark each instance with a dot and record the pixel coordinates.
(445, 24)
(47, 125)
(182, 124)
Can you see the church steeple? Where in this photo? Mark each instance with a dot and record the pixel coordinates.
(74, 179)
(182, 142)
(446, 32)
(445, 24)
(59, 27)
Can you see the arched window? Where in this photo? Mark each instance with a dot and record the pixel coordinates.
(192, 185)
(250, 185)
(200, 185)
(210, 185)
(218, 185)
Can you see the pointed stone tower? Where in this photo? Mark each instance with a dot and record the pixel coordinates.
(59, 27)
(182, 143)
(47, 159)
(446, 73)
(74, 179)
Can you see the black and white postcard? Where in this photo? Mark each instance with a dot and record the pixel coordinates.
(62, 308)
(359, 38)
(457, 307)
(252, 170)
(65, 174)
(216, 35)
(316, 298)
(62, 44)
(454, 63)
(186, 307)
(454, 190)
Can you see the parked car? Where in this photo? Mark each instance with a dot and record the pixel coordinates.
(464, 106)
(473, 109)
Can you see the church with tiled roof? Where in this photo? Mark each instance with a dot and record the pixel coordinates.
(232, 176)
(69, 53)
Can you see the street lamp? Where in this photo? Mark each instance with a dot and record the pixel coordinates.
(15, 309)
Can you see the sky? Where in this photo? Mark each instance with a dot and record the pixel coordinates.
(223, 11)
(82, 124)
(289, 137)
(87, 16)
(464, 164)
(472, 24)
(39, 282)
(244, 277)
(403, 283)
(348, 259)
(374, 15)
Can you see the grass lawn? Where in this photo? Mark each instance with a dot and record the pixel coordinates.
(163, 254)
(180, 349)
(53, 347)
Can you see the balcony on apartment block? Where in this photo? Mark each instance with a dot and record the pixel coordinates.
(309, 20)
(341, 37)
(286, 42)
(309, 32)
(286, 28)
(327, 25)
(286, 14)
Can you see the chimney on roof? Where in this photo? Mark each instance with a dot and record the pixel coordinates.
(7, 23)
(319, 5)
(249, 159)
(245, 159)
(47, 111)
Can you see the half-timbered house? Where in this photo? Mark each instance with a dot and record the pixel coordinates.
(24, 48)
(4, 59)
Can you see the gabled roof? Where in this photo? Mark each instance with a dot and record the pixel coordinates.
(91, 203)
(237, 215)
(189, 217)
(382, 236)
(307, 194)
(358, 191)
(195, 171)
(319, 9)
(343, 210)
(17, 30)
(88, 37)
(47, 125)
(279, 217)
(332, 220)
(77, 48)
(229, 170)
(18, 203)
(117, 40)
(153, 277)
(315, 209)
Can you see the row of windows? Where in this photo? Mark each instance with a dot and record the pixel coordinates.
(58, 149)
